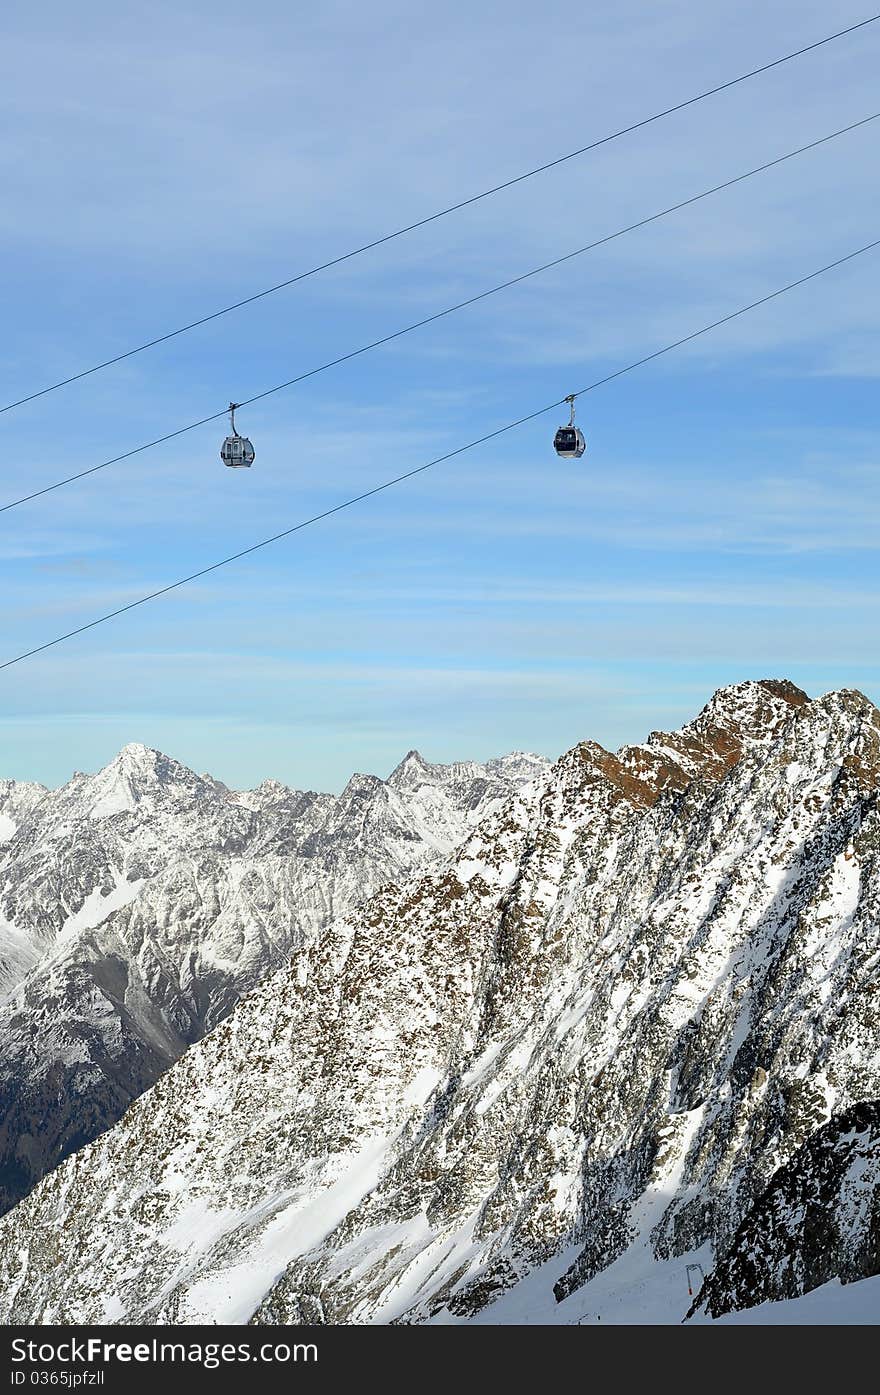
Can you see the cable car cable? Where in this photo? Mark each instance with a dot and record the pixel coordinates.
(439, 315)
(444, 212)
(438, 460)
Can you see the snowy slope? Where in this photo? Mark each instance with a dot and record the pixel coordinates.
(538, 1080)
(138, 904)
(832, 1305)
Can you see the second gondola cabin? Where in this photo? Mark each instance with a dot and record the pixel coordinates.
(569, 443)
(236, 451)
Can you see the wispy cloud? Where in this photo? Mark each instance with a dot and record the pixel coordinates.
(724, 518)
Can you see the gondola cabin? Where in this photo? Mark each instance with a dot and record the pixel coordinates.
(569, 443)
(236, 451)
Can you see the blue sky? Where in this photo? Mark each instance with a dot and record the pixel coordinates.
(160, 160)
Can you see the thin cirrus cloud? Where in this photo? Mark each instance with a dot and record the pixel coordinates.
(725, 511)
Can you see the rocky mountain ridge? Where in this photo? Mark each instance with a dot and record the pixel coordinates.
(589, 1041)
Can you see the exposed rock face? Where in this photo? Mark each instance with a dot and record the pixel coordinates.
(608, 1020)
(749, 714)
(819, 1219)
(138, 904)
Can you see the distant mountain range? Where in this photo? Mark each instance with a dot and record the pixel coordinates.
(138, 904)
(495, 1043)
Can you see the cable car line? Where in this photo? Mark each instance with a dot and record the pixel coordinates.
(444, 212)
(438, 315)
(438, 460)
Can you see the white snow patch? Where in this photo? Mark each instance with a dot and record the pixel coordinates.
(421, 1086)
(432, 1265)
(231, 1294)
(482, 1064)
(97, 906)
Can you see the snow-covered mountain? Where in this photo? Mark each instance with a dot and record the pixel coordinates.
(535, 1082)
(138, 904)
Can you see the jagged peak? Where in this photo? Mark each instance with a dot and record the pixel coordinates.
(28, 787)
(137, 761)
(135, 755)
(751, 704)
(518, 767)
(851, 700)
(409, 771)
(784, 688)
(589, 762)
(263, 795)
(361, 784)
(137, 772)
(519, 763)
(738, 717)
(273, 789)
